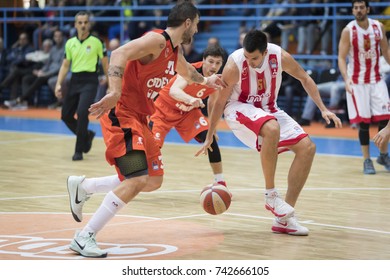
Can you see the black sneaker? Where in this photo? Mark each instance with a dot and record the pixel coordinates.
(77, 156)
(304, 122)
(91, 135)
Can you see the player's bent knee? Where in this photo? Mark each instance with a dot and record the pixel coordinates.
(270, 128)
(153, 183)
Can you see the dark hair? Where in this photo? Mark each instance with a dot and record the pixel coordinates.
(81, 13)
(255, 40)
(365, 1)
(214, 50)
(181, 12)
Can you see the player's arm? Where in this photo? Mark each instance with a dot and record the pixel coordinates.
(292, 67)
(344, 46)
(145, 49)
(177, 92)
(230, 76)
(385, 45)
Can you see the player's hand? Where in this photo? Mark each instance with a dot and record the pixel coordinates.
(58, 92)
(215, 81)
(348, 86)
(108, 102)
(328, 116)
(205, 147)
(381, 137)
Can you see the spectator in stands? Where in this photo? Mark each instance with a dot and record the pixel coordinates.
(46, 28)
(39, 77)
(270, 26)
(18, 64)
(241, 40)
(335, 90)
(3, 60)
(308, 29)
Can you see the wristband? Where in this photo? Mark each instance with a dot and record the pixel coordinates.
(204, 81)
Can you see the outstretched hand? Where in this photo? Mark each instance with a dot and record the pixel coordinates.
(328, 116)
(103, 106)
(215, 81)
(382, 137)
(205, 147)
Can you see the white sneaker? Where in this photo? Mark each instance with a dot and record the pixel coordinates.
(77, 196)
(289, 226)
(86, 246)
(278, 206)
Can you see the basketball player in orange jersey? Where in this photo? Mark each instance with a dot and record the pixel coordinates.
(363, 40)
(253, 75)
(178, 105)
(137, 71)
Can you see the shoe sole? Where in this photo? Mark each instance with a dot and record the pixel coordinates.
(72, 198)
(96, 257)
(279, 230)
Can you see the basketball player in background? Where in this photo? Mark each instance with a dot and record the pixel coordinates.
(362, 41)
(253, 75)
(136, 73)
(178, 106)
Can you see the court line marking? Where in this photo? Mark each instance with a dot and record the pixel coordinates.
(153, 219)
(197, 191)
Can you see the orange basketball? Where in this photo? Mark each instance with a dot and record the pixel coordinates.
(215, 199)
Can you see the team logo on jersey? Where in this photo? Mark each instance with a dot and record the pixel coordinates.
(155, 165)
(273, 64)
(366, 43)
(377, 34)
(261, 84)
(166, 52)
(88, 49)
(140, 141)
(197, 125)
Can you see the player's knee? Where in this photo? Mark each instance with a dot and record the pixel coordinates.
(310, 149)
(153, 183)
(270, 129)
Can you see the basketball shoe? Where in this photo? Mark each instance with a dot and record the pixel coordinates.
(86, 246)
(289, 226)
(368, 167)
(77, 196)
(278, 206)
(223, 183)
(384, 160)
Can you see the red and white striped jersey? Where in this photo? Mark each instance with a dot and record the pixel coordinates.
(364, 53)
(259, 86)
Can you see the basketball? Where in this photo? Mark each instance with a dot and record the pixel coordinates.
(215, 199)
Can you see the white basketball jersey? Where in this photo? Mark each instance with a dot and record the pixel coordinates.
(363, 66)
(260, 86)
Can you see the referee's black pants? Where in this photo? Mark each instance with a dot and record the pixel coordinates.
(81, 94)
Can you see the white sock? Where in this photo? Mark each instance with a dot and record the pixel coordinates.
(101, 184)
(270, 191)
(218, 177)
(110, 206)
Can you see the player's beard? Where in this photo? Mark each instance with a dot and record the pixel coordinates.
(186, 38)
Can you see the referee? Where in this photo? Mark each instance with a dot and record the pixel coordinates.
(82, 52)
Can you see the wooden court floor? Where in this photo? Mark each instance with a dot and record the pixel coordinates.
(347, 212)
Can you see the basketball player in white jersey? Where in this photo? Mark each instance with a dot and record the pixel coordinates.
(253, 76)
(363, 40)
